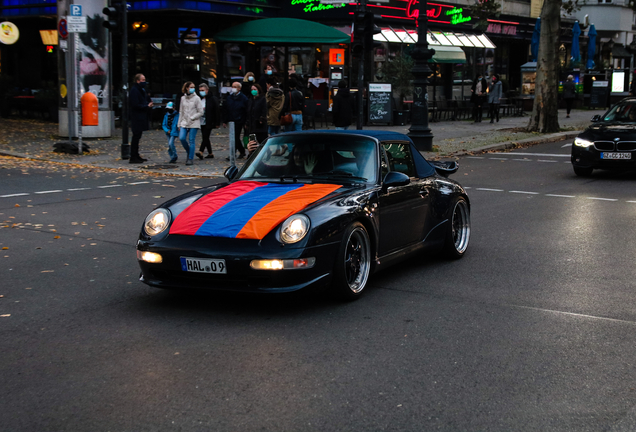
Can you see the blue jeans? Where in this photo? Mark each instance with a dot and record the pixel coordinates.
(189, 148)
(273, 130)
(297, 123)
(172, 152)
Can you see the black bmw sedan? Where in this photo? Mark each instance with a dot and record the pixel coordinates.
(609, 143)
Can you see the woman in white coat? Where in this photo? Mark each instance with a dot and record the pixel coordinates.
(190, 111)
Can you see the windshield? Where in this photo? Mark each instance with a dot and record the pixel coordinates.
(623, 112)
(315, 156)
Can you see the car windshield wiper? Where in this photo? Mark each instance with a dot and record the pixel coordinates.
(340, 173)
(295, 177)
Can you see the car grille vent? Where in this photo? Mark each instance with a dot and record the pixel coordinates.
(626, 145)
(604, 145)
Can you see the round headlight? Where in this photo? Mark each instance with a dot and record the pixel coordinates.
(294, 228)
(157, 221)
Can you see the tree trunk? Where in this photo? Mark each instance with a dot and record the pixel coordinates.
(544, 116)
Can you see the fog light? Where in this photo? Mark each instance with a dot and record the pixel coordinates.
(149, 257)
(299, 263)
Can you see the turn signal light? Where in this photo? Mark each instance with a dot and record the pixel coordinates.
(283, 264)
(149, 257)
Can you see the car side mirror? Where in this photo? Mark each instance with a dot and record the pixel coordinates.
(596, 118)
(393, 179)
(231, 172)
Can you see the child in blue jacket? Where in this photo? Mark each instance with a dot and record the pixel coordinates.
(170, 127)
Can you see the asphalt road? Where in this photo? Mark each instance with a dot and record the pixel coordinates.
(534, 329)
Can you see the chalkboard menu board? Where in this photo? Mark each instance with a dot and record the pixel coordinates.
(598, 96)
(380, 107)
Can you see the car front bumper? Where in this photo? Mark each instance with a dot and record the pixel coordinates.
(591, 158)
(237, 254)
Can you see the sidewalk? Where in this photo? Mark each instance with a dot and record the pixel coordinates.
(34, 139)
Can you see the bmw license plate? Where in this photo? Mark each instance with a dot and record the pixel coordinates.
(200, 265)
(613, 155)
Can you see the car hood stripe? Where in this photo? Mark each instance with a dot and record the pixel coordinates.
(248, 210)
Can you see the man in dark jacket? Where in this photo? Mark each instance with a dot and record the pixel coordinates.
(235, 110)
(210, 119)
(140, 106)
(295, 106)
(343, 107)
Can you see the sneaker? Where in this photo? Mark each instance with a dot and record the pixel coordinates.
(174, 161)
(189, 162)
(210, 156)
(136, 161)
(199, 155)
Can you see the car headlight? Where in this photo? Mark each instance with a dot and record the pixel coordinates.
(157, 221)
(294, 228)
(580, 142)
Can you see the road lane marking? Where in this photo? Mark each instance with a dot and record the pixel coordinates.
(500, 158)
(602, 199)
(560, 196)
(574, 314)
(545, 160)
(138, 183)
(475, 157)
(77, 189)
(536, 154)
(567, 145)
(13, 195)
(631, 201)
(48, 192)
(491, 190)
(108, 186)
(525, 192)
(523, 160)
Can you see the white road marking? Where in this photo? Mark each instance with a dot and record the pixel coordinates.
(13, 195)
(138, 183)
(567, 145)
(108, 186)
(77, 189)
(475, 157)
(545, 160)
(525, 192)
(601, 199)
(500, 158)
(523, 160)
(491, 190)
(536, 154)
(631, 202)
(560, 196)
(47, 192)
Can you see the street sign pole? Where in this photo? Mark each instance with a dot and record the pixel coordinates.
(78, 94)
(125, 146)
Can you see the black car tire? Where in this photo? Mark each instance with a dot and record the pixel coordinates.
(457, 229)
(353, 264)
(583, 172)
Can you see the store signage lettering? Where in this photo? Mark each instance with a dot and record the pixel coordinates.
(502, 29)
(438, 13)
(313, 6)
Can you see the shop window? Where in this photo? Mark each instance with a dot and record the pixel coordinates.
(275, 57)
(208, 62)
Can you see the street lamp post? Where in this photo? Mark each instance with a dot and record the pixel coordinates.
(419, 132)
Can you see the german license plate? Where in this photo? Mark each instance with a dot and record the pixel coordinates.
(200, 265)
(613, 155)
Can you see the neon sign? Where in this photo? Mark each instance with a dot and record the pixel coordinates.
(312, 6)
(435, 12)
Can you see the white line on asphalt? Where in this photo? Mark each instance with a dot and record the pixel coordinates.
(572, 314)
(467, 157)
(536, 154)
(13, 195)
(500, 158)
(47, 192)
(602, 199)
(525, 192)
(491, 190)
(523, 160)
(138, 183)
(561, 196)
(77, 189)
(545, 160)
(108, 186)
(567, 145)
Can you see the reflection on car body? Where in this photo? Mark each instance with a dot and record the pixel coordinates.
(318, 208)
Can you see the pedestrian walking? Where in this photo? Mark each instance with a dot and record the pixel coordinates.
(569, 94)
(190, 111)
(478, 97)
(140, 108)
(295, 103)
(210, 119)
(170, 126)
(275, 100)
(343, 107)
(257, 114)
(494, 97)
(235, 110)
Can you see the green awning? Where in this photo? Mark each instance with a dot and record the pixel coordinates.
(282, 30)
(448, 54)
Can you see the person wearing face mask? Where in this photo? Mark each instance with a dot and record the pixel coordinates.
(268, 72)
(190, 111)
(171, 128)
(210, 119)
(140, 106)
(257, 114)
(248, 80)
(235, 110)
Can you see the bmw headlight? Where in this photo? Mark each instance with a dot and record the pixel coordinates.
(294, 228)
(580, 142)
(157, 221)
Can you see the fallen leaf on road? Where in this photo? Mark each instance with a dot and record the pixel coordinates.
(5, 248)
(47, 271)
(5, 315)
(56, 237)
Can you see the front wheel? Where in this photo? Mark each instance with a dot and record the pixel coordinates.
(583, 172)
(353, 264)
(458, 229)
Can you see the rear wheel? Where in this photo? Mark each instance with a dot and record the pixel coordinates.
(458, 229)
(583, 172)
(353, 264)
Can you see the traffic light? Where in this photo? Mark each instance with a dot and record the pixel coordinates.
(371, 29)
(357, 46)
(114, 14)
